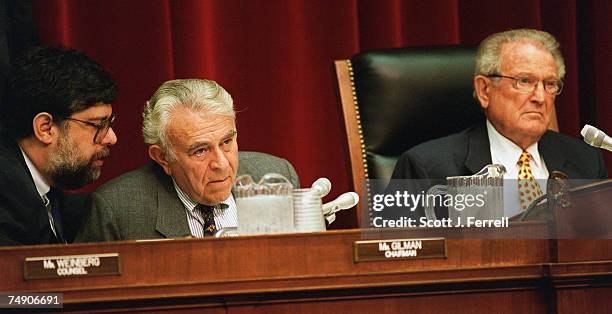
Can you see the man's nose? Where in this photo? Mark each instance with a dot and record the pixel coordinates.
(219, 159)
(110, 138)
(539, 93)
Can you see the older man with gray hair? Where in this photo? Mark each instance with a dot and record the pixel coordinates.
(517, 77)
(185, 190)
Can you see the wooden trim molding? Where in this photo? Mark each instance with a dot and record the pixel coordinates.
(354, 134)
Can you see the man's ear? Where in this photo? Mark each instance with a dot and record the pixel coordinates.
(42, 125)
(482, 87)
(157, 153)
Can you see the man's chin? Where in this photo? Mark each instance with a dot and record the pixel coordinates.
(533, 133)
(535, 118)
(534, 124)
(76, 180)
(95, 175)
(214, 198)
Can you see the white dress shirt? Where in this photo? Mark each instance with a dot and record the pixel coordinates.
(41, 185)
(506, 153)
(224, 217)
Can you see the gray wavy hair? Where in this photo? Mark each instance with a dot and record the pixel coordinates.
(488, 55)
(194, 94)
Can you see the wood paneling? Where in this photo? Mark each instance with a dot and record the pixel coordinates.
(315, 273)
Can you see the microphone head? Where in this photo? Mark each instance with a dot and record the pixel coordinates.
(344, 201)
(355, 197)
(584, 130)
(323, 185)
(347, 200)
(593, 136)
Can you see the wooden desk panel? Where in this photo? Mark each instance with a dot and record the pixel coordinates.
(306, 273)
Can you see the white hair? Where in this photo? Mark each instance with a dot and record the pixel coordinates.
(488, 55)
(193, 94)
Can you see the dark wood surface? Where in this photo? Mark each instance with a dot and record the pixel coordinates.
(315, 273)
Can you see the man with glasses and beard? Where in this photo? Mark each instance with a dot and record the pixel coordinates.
(55, 131)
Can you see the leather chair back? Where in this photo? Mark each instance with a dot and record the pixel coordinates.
(395, 99)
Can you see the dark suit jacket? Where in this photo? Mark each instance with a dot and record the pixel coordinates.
(23, 216)
(143, 204)
(468, 152)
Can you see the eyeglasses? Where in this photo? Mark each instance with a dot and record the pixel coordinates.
(102, 127)
(528, 84)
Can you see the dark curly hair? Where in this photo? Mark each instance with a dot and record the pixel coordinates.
(51, 79)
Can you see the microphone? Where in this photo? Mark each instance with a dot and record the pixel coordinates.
(597, 138)
(344, 201)
(322, 185)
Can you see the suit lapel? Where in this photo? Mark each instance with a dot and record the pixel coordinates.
(171, 217)
(14, 149)
(554, 157)
(29, 214)
(479, 153)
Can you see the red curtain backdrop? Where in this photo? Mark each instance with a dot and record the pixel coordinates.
(275, 58)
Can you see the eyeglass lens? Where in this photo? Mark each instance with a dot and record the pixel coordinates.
(103, 129)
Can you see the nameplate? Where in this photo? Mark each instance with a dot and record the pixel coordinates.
(385, 250)
(69, 266)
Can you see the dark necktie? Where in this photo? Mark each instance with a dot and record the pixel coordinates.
(208, 217)
(55, 216)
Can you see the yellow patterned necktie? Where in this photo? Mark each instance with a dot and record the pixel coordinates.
(528, 187)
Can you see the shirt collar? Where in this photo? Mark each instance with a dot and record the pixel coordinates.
(187, 201)
(506, 151)
(41, 185)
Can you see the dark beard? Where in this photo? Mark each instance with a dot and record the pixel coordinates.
(72, 176)
(68, 178)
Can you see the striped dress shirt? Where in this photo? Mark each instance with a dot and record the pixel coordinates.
(224, 217)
